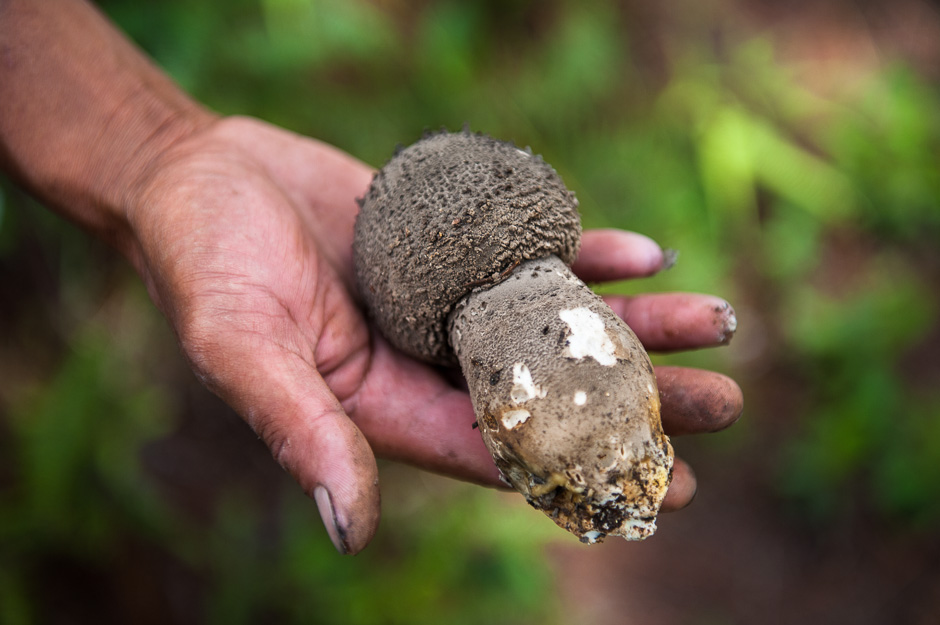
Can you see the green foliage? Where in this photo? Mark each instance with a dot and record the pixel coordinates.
(888, 145)
(819, 212)
(869, 424)
(79, 486)
(459, 556)
(444, 551)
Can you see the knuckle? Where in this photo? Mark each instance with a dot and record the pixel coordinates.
(278, 442)
(199, 341)
(281, 450)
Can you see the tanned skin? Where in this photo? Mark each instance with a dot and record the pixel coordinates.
(242, 233)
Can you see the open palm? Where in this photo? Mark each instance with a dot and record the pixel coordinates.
(243, 236)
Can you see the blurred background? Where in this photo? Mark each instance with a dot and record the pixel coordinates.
(789, 151)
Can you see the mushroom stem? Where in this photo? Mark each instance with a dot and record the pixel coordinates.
(565, 399)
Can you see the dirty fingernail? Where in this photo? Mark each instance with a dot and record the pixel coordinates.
(325, 505)
(727, 324)
(670, 256)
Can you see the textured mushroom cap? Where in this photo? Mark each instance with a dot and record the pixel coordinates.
(448, 214)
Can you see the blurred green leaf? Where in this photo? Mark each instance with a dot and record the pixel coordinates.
(868, 329)
(710, 144)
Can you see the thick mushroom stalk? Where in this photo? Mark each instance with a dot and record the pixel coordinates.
(462, 247)
(566, 401)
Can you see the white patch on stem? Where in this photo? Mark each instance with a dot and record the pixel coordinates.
(588, 336)
(523, 388)
(580, 398)
(512, 418)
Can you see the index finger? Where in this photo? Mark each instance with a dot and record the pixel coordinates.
(608, 254)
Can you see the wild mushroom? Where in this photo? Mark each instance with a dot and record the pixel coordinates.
(461, 247)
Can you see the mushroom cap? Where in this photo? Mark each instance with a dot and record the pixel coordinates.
(454, 212)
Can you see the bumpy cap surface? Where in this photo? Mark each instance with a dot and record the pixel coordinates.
(454, 212)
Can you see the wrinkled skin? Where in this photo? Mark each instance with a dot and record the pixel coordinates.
(243, 233)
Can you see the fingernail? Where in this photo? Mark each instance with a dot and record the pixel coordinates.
(728, 323)
(670, 256)
(325, 505)
(730, 327)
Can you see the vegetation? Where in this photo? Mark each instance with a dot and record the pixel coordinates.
(815, 211)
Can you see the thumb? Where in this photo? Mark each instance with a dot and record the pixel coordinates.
(329, 457)
(289, 405)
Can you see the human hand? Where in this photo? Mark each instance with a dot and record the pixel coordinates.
(242, 233)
